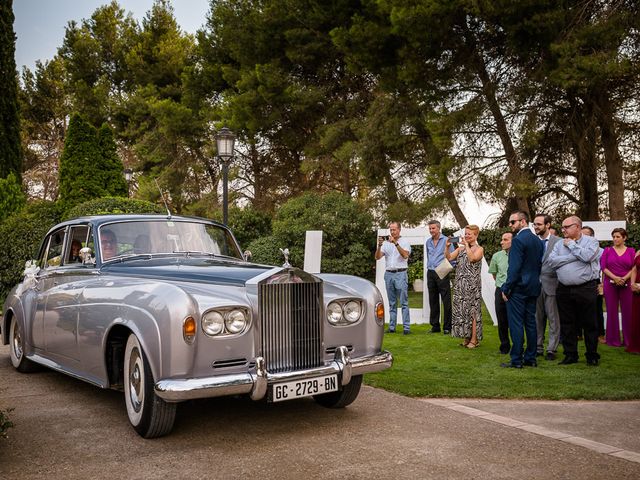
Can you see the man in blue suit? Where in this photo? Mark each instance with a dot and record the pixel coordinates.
(521, 290)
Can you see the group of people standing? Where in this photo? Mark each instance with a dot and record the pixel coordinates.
(541, 279)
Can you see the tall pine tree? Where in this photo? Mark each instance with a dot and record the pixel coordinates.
(10, 147)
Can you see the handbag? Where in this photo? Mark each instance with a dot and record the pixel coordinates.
(443, 269)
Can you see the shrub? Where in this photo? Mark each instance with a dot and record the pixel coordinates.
(248, 224)
(415, 271)
(113, 205)
(20, 236)
(266, 250)
(5, 424)
(348, 235)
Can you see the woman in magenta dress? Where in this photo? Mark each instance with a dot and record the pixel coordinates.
(633, 343)
(617, 265)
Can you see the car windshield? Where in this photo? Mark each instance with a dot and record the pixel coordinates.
(165, 237)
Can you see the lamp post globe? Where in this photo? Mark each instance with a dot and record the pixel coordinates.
(128, 175)
(225, 140)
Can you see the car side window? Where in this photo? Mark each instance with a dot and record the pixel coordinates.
(53, 253)
(76, 240)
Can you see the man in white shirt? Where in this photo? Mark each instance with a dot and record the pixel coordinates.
(396, 251)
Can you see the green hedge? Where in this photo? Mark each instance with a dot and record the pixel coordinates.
(113, 205)
(348, 234)
(20, 237)
(22, 232)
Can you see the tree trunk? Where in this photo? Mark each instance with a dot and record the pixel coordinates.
(612, 158)
(517, 178)
(582, 132)
(453, 204)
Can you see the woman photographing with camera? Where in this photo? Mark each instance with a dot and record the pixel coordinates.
(466, 321)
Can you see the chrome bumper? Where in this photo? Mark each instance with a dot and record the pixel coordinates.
(256, 383)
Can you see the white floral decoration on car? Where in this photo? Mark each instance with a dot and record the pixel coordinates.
(31, 270)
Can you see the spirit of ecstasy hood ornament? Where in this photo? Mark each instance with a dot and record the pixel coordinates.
(285, 252)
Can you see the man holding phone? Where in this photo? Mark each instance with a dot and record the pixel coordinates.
(439, 288)
(396, 251)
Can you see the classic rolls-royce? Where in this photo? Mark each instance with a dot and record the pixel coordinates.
(167, 309)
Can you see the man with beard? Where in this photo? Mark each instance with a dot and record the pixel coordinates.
(546, 308)
(521, 290)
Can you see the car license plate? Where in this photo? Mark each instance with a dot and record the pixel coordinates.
(304, 388)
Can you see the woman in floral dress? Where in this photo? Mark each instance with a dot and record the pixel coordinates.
(466, 319)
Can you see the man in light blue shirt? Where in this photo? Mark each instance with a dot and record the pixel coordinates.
(439, 288)
(396, 251)
(576, 261)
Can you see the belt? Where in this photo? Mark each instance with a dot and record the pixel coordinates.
(585, 284)
(397, 270)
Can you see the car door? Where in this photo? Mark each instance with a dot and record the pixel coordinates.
(49, 260)
(66, 283)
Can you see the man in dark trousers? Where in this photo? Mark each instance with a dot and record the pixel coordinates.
(521, 290)
(439, 288)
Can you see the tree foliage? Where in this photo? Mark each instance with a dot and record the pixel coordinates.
(10, 145)
(12, 198)
(89, 165)
(405, 105)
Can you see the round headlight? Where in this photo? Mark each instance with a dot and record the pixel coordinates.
(352, 311)
(213, 323)
(235, 321)
(334, 313)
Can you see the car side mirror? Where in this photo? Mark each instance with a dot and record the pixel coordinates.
(247, 255)
(87, 256)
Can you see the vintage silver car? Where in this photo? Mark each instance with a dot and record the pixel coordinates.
(167, 309)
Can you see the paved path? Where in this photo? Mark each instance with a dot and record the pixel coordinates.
(68, 429)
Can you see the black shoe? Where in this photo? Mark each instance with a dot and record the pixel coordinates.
(592, 362)
(406, 332)
(434, 331)
(447, 332)
(390, 331)
(567, 361)
(528, 363)
(539, 354)
(503, 352)
(510, 365)
(550, 356)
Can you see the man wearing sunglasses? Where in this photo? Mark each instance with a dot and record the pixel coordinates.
(577, 260)
(521, 290)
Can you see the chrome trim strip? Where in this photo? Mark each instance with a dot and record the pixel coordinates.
(256, 384)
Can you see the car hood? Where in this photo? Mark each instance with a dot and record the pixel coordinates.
(225, 272)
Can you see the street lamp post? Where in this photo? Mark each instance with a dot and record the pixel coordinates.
(225, 140)
(128, 175)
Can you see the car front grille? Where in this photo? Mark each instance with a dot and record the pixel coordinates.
(290, 317)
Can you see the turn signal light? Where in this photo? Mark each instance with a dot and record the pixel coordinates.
(380, 313)
(189, 329)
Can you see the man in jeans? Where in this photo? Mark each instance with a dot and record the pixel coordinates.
(439, 288)
(396, 251)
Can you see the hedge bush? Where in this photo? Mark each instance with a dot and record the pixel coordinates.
(348, 234)
(113, 205)
(20, 237)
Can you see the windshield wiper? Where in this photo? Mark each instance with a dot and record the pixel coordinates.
(188, 253)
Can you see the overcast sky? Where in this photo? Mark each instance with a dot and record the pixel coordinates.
(40, 24)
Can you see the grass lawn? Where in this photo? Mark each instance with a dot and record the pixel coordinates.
(436, 366)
